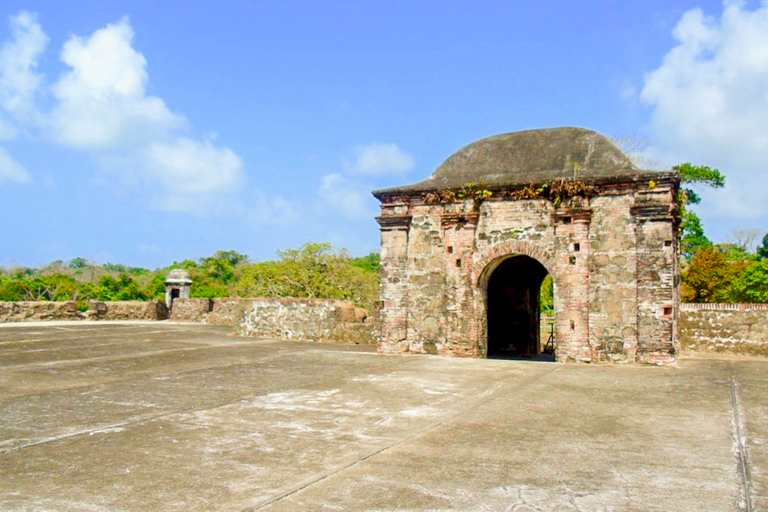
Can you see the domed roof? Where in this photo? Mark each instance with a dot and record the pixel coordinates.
(533, 156)
(178, 276)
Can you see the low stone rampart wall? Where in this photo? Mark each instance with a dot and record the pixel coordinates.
(191, 310)
(318, 320)
(127, 310)
(229, 311)
(39, 311)
(725, 328)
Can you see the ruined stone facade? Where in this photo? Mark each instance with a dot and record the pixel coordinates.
(464, 252)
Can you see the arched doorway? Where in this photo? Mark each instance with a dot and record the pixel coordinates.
(514, 307)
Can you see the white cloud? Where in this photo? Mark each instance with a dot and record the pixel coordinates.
(191, 171)
(344, 196)
(102, 100)
(710, 102)
(11, 170)
(271, 209)
(101, 107)
(377, 159)
(19, 82)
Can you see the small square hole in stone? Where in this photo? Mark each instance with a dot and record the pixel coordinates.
(566, 220)
(667, 310)
(576, 247)
(572, 259)
(458, 263)
(573, 325)
(450, 249)
(667, 243)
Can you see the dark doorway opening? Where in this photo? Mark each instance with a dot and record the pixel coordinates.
(175, 292)
(514, 321)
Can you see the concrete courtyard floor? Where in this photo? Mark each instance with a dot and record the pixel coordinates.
(159, 416)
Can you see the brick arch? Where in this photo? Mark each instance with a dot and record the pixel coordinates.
(495, 254)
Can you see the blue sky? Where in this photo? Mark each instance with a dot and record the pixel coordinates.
(148, 132)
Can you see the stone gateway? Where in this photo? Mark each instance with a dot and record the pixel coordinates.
(464, 252)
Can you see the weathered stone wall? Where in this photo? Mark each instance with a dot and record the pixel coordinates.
(127, 310)
(38, 311)
(612, 272)
(612, 257)
(228, 311)
(725, 328)
(657, 276)
(191, 310)
(318, 320)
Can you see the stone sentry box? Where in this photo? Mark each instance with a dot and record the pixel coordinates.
(178, 285)
(463, 253)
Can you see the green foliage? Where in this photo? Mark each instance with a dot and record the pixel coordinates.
(122, 288)
(11, 290)
(125, 269)
(710, 276)
(693, 238)
(692, 233)
(762, 250)
(314, 270)
(702, 174)
(41, 287)
(734, 252)
(78, 263)
(372, 262)
(751, 285)
(547, 296)
(155, 289)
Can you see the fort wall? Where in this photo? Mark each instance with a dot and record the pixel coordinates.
(725, 328)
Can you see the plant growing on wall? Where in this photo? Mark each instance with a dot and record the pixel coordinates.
(556, 191)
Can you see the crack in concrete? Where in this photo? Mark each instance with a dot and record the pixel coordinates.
(319, 478)
(152, 417)
(740, 442)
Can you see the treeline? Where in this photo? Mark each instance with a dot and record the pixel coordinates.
(729, 273)
(314, 270)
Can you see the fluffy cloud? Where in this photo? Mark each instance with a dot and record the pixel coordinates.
(378, 159)
(102, 100)
(344, 196)
(11, 170)
(190, 171)
(19, 82)
(101, 107)
(710, 102)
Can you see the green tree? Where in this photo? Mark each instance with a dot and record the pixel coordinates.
(155, 289)
(372, 262)
(751, 285)
(710, 276)
(314, 270)
(122, 288)
(693, 238)
(12, 289)
(762, 250)
(78, 263)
